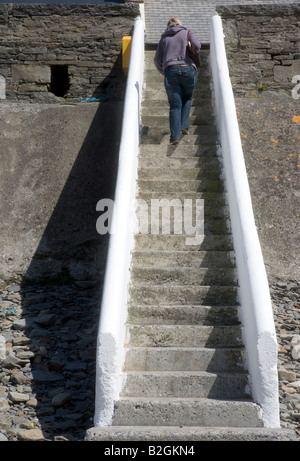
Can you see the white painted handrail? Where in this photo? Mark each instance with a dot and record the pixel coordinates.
(256, 309)
(111, 331)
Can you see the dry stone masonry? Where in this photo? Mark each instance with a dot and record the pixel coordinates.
(71, 51)
(263, 47)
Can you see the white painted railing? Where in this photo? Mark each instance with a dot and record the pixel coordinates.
(111, 331)
(256, 308)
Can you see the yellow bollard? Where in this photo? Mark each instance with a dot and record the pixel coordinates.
(126, 47)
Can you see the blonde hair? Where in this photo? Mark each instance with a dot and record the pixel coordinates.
(174, 21)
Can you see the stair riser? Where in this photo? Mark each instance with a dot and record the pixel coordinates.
(161, 121)
(178, 243)
(207, 296)
(160, 135)
(215, 211)
(204, 143)
(191, 260)
(206, 385)
(193, 413)
(178, 163)
(176, 359)
(182, 174)
(183, 336)
(178, 186)
(167, 226)
(181, 150)
(215, 204)
(184, 277)
(183, 315)
(161, 112)
(189, 434)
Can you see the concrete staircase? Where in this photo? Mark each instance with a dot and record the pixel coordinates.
(184, 376)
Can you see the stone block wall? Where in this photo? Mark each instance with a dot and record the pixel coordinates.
(49, 52)
(263, 47)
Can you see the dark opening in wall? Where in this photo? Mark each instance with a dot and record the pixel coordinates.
(59, 80)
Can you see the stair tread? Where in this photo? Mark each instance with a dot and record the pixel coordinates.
(186, 373)
(178, 400)
(188, 433)
(180, 348)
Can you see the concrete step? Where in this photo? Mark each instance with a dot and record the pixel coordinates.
(161, 135)
(161, 119)
(156, 92)
(178, 294)
(185, 174)
(184, 358)
(186, 412)
(178, 243)
(166, 226)
(208, 213)
(139, 314)
(186, 384)
(183, 149)
(183, 336)
(179, 186)
(179, 163)
(154, 135)
(207, 142)
(176, 259)
(202, 130)
(160, 114)
(183, 276)
(159, 95)
(215, 204)
(186, 434)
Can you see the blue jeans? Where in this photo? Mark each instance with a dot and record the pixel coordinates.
(179, 82)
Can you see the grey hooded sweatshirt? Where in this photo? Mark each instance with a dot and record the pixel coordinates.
(171, 49)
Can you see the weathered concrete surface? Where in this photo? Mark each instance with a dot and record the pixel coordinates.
(167, 433)
(57, 161)
(270, 136)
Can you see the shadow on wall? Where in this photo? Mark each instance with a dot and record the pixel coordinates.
(62, 287)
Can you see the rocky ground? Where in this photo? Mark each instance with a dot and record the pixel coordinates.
(286, 304)
(47, 368)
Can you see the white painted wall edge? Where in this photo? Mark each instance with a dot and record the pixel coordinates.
(111, 332)
(256, 309)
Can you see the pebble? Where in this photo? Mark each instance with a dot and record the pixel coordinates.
(285, 297)
(47, 359)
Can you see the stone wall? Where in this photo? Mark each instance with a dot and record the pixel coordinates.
(263, 47)
(48, 52)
